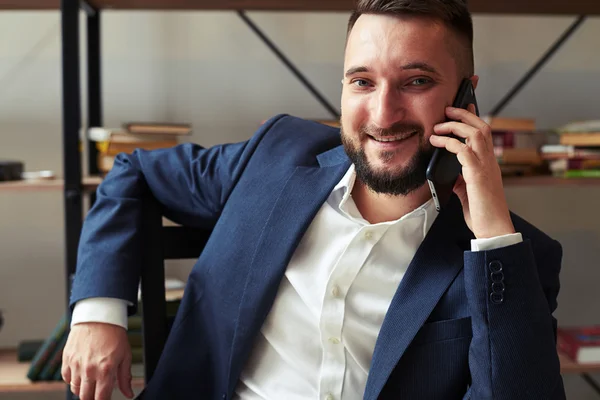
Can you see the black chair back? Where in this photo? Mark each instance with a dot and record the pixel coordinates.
(161, 243)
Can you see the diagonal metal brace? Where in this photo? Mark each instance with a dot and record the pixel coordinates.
(332, 110)
(89, 9)
(538, 65)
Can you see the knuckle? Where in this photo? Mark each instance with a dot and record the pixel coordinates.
(90, 370)
(105, 368)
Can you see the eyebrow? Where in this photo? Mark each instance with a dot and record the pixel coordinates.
(423, 66)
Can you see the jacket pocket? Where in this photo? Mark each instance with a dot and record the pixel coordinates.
(444, 330)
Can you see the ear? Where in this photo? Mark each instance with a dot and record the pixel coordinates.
(475, 81)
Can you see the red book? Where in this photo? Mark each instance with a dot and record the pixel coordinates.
(581, 344)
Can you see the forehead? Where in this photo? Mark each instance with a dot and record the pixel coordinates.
(381, 41)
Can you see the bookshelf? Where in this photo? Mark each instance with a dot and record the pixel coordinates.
(75, 184)
(89, 184)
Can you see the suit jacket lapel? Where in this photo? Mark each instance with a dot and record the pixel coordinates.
(436, 264)
(299, 200)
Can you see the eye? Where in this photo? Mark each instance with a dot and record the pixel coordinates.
(420, 81)
(360, 82)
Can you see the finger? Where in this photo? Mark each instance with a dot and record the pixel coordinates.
(104, 387)
(466, 116)
(124, 377)
(75, 378)
(464, 153)
(470, 118)
(88, 388)
(474, 137)
(65, 372)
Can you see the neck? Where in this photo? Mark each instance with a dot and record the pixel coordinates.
(377, 207)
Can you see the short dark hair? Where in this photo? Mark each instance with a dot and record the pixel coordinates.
(454, 13)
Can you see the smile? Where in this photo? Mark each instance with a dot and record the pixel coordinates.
(393, 138)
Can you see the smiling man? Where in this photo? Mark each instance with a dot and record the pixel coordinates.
(329, 273)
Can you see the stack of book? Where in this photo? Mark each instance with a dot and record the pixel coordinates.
(517, 145)
(46, 355)
(134, 135)
(577, 155)
(581, 344)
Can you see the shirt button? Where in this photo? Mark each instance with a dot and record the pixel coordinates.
(329, 397)
(334, 340)
(368, 235)
(335, 291)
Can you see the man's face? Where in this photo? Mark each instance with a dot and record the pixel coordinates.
(399, 77)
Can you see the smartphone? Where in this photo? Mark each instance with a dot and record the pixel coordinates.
(443, 169)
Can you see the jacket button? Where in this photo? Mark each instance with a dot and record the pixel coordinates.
(224, 397)
(495, 266)
(497, 297)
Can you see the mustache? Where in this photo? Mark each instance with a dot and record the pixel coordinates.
(399, 128)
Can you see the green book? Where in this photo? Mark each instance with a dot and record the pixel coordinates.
(55, 360)
(27, 349)
(47, 349)
(582, 173)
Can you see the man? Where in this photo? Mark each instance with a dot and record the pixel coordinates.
(329, 273)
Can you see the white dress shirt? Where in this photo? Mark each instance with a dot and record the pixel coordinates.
(318, 339)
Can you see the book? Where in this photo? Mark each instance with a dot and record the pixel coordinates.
(580, 139)
(54, 361)
(582, 173)
(27, 349)
(581, 344)
(163, 128)
(47, 349)
(510, 124)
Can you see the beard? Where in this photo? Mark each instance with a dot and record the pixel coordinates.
(396, 182)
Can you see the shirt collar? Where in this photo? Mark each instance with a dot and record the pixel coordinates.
(345, 204)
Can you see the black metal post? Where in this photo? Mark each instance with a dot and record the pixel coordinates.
(332, 110)
(538, 65)
(593, 384)
(94, 77)
(71, 126)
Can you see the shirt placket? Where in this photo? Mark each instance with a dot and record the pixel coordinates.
(332, 317)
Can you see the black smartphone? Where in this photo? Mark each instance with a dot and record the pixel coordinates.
(443, 169)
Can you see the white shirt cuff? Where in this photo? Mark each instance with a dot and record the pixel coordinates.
(496, 242)
(100, 309)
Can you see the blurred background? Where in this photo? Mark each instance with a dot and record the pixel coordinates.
(209, 70)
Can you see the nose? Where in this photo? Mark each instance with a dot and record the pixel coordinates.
(387, 108)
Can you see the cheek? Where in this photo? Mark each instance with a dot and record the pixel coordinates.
(354, 111)
(429, 110)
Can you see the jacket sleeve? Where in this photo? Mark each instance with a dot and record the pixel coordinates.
(512, 298)
(190, 183)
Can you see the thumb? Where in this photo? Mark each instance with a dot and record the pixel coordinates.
(124, 377)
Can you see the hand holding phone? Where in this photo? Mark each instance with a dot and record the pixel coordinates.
(443, 169)
(481, 193)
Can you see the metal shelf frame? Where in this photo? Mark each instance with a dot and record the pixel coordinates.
(71, 77)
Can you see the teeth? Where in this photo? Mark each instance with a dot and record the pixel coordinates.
(392, 139)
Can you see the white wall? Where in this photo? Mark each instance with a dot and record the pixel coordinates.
(209, 69)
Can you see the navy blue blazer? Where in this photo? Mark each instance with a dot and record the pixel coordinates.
(462, 324)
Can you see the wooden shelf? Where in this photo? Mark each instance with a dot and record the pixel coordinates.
(567, 366)
(13, 377)
(92, 182)
(558, 7)
(89, 183)
(543, 180)
(13, 374)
